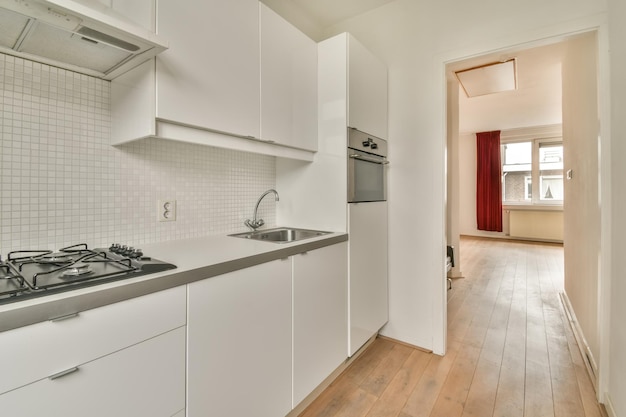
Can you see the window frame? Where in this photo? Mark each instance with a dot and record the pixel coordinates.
(535, 176)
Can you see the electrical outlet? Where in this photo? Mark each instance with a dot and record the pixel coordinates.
(166, 210)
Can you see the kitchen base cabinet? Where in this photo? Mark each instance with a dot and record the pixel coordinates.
(239, 343)
(147, 379)
(45, 348)
(320, 328)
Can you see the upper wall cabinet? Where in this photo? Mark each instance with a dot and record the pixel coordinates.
(236, 75)
(210, 77)
(288, 83)
(367, 90)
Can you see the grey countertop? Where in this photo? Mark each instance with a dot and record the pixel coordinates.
(196, 259)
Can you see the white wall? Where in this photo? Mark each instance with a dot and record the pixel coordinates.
(415, 38)
(62, 183)
(617, 286)
(582, 198)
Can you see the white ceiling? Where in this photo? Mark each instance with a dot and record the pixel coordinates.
(330, 12)
(535, 102)
(313, 16)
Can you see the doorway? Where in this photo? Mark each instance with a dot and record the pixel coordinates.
(556, 96)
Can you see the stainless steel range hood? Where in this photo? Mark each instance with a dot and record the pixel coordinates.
(81, 36)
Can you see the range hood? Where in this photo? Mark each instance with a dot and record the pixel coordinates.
(81, 36)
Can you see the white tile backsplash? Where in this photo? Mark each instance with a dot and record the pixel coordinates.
(61, 182)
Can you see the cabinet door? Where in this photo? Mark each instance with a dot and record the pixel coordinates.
(320, 282)
(209, 76)
(288, 83)
(369, 307)
(42, 349)
(367, 90)
(147, 379)
(239, 343)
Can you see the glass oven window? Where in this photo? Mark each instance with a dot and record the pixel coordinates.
(369, 181)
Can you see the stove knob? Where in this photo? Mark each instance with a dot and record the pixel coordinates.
(114, 247)
(137, 253)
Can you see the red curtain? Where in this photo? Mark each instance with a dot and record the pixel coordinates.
(488, 182)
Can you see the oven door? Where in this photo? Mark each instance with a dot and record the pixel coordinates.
(367, 177)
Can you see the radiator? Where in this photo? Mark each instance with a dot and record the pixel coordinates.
(536, 224)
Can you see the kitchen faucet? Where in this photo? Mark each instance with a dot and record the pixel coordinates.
(254, 223)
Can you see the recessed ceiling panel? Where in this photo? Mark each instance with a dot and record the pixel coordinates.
(488, 79)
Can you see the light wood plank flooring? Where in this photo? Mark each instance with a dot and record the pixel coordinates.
(510, 353)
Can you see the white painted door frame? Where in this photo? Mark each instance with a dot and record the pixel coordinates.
(531, 39)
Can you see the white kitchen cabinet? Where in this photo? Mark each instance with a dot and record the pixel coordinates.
(239, 343)
(367, 90)
(43, 349)
(352, 91)
(319, 316)
(315, 195)
(288, 83)
(213, 87)
(369, 305)
(146, 379)
(209, 76)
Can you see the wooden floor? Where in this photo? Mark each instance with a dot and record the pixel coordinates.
(510, 352)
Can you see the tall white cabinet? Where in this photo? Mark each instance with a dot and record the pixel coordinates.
(367, 90)
(352, 93)
(236, 75)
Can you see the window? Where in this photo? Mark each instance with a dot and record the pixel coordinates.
(538, 161)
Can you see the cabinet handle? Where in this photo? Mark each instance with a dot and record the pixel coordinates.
(67, 316)
(63, 373)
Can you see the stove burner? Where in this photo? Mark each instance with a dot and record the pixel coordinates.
(56, 258)
(5, 273)
(77, 270)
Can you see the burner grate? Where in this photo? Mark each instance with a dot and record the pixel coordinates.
(38, 272)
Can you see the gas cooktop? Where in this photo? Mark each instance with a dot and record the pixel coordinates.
(33, 273)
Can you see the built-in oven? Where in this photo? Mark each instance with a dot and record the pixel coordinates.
(367, 173)
(368, 245)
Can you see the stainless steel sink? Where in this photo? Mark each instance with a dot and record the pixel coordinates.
(281, 234)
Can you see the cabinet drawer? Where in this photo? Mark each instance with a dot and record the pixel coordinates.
(34, 352)
(147, 379)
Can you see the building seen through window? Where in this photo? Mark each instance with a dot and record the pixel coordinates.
(526, 163)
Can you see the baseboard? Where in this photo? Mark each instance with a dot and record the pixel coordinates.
(583, 346)
(608, 406)
(515, 239)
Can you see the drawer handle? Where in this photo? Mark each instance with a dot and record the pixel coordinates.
(63, 373)
(67, 316)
